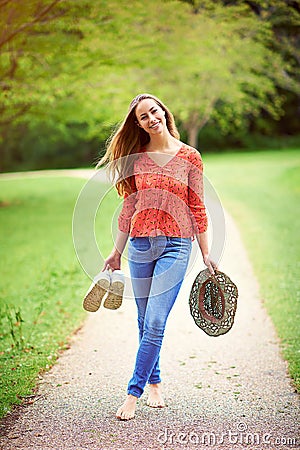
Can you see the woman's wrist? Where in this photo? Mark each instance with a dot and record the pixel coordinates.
(205, 256)
(120, 243)
(116, 253)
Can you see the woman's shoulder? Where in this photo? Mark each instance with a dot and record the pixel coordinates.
(191, 153)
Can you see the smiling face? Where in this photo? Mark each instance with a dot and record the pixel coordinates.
(150, 116)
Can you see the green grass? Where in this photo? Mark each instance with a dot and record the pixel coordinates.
(42, 284)
(262, 192)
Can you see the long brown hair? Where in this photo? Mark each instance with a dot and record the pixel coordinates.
(128, 140)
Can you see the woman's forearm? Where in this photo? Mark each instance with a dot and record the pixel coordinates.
(203, 244)
(120, 242)
(114, 259)
(204, 247)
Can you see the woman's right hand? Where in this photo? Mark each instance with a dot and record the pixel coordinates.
(113, 261)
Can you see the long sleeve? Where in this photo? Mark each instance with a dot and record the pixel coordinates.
(128, 209)
(196, 194)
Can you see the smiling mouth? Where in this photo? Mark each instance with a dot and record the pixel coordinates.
(155, 125)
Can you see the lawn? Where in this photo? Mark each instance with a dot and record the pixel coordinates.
(42, 284)
(261, 191)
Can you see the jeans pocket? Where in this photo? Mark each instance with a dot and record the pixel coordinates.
(140, 243)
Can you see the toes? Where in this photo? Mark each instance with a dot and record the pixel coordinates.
(127, 410)
(124, 415)
(119, 413)
(156, 403)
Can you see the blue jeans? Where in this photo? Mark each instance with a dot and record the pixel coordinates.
(157, 267)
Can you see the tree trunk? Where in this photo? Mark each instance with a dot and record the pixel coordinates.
(193, 132)
(196, 123)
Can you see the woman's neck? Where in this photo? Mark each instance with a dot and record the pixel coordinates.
(163, 143)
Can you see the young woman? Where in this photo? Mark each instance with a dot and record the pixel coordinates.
(160, 179)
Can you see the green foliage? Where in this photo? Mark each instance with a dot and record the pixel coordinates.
(69, 69)
(234, 75)
(261, 191)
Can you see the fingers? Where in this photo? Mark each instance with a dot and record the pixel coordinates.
(211, 265)
(111, 266)
(211, 269)
(214, 266)
(106, 266)
(112, 262)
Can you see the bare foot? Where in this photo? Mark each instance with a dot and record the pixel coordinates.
(155, 399)
(127, 410)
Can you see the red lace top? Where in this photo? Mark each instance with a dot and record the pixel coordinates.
(166, 200)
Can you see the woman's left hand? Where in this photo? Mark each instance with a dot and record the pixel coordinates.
(210, 264)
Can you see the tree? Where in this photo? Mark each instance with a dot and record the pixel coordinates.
(283, 19)
(242, 71)
(69, 68)
(216, 62)
(18, 59)
(42, 73)
(209, 62)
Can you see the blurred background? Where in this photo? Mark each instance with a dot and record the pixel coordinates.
(228, 70)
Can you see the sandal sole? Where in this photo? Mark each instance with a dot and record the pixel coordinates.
(93, 298)
(115, 296)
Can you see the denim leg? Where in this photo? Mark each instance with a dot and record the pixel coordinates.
(154, 377)
(141, 275)
(168, 273)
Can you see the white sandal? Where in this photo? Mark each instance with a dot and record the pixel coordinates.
(115, 294)
(97, 291)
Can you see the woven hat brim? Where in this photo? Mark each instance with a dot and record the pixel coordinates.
(210, 324)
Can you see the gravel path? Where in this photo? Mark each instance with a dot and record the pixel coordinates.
(230, 392)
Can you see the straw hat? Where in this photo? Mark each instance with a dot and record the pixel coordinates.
(213, 301)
